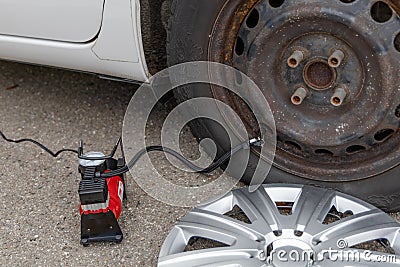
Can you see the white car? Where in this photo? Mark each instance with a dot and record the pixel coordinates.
(329, 69)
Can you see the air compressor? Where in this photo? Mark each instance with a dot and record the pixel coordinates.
(102, 186)
(100, 198)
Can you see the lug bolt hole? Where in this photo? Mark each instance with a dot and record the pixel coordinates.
(276, 3)
(253, 19)
(381, 12)
(293, 145)
(239, 49)
(323, 152)
(383, 135)
(347, 1)
(397, 112)
(397, 42)
(354, 149)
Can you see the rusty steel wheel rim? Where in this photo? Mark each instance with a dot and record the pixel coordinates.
(330, 71)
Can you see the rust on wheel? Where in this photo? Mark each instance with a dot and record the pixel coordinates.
(330, 71)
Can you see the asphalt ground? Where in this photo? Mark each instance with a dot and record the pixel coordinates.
(39, 220)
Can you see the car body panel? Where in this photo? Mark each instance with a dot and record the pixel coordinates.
(71, 21)
(117, 51)
(117, 32)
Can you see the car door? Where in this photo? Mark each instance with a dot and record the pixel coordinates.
(62, 20)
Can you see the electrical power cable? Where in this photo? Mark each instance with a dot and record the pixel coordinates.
(216, 164)
(43, 147)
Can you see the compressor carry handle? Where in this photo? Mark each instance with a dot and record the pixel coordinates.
(110, 156)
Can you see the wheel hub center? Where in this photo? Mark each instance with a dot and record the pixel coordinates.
(319, 75)
(325, 66)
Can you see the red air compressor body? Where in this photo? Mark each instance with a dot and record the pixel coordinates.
(101, 199)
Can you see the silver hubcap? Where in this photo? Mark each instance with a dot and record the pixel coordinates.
(284, 225)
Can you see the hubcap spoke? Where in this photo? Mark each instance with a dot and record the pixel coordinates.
(259, 206)
(359, 228)
(310, 208)
(223, 223)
